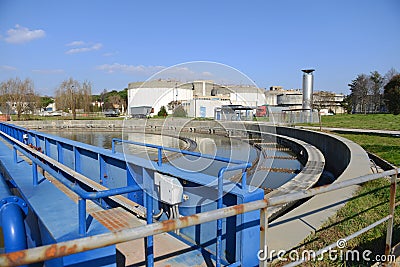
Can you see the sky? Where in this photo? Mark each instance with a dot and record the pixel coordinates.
(112, 43)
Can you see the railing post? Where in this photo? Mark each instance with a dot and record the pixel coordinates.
(159, 161)
(113, 146)
(46, 147)
(392, 201)
(244, 179)
(149, 240)
(82, 216)
(37, 141)
(219, 221)
(15, 154)
(263, 252)
(34, 174)
(77, 159)
(60, 155)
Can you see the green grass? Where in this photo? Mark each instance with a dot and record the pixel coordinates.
(369, 205)
(385, 147)
(361, 121)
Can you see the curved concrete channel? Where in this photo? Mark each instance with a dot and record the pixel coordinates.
(318, 151)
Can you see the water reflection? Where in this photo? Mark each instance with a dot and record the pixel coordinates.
(216, 146)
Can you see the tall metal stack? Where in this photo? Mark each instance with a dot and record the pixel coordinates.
(308, 80)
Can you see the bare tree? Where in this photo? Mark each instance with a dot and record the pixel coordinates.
(19, 96)
(376, 90)
(71, 95)
(389, 75)
(323, 100)
(86, 96)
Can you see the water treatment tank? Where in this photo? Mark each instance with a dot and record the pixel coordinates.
(308, 80)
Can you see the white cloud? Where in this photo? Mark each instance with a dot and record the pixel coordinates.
(49, 71)
(110, 54)
(183, 73)
(177, 72)
(94, 47)
(19, 34)
(76, 43)
(140, 69)
(7, 68)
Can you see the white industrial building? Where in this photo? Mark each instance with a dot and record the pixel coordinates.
(292, 99)
(198, 98)
(204, 98)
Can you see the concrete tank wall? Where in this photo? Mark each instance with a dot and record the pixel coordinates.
(339, 152)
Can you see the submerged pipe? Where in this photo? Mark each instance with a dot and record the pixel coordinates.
(12, 212)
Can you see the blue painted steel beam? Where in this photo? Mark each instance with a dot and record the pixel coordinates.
(82, 216)
(149, 240)
(60, 155)
(35, 174)
(46, 147)
(77, 160)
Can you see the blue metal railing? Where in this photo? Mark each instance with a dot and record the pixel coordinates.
(242, 165)
(85, 195)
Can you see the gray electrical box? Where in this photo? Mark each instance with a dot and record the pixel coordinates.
(169, 188)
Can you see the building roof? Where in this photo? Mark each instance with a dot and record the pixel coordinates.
(210, 85)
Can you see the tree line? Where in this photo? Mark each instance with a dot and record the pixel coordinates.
(19, 97)
(111, 99)
(375, 93)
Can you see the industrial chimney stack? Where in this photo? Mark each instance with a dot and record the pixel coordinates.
(308, 80)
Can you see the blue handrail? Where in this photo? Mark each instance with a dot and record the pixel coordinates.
(242, 165)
